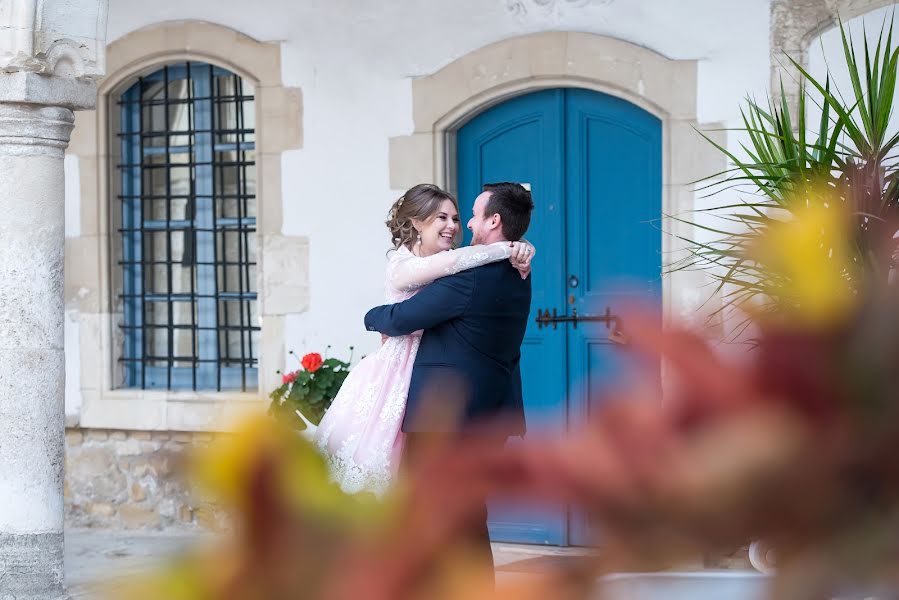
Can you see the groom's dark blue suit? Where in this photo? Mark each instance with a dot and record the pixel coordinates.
(466, 375)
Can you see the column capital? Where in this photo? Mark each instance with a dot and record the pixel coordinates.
(29, 129)
(21, 87)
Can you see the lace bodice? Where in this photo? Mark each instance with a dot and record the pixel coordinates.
(406, 273)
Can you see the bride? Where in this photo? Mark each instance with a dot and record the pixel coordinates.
(360, 433)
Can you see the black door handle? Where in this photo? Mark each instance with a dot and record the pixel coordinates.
(545, 319)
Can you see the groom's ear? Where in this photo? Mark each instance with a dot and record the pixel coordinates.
(496, 221)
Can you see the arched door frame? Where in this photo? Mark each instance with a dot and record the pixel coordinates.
(666, 88)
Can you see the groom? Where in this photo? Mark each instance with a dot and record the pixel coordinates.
(466, 381)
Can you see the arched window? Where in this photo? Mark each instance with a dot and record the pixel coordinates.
(187, 229)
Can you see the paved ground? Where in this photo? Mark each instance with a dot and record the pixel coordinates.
(94, 555)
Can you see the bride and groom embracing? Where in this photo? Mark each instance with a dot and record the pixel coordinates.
(451, 339)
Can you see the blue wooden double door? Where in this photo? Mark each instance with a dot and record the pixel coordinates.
(593, 163)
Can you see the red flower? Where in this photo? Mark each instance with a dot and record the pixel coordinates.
(312, 362)
(288, 378)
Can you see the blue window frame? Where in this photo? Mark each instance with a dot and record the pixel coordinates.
(188, 222)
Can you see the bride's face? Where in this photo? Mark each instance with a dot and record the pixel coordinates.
(439, 232)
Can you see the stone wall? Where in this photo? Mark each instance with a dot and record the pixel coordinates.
(132, 480)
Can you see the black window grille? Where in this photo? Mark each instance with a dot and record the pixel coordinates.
(188, 223)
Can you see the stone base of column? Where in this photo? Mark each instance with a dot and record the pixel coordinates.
(31, 567)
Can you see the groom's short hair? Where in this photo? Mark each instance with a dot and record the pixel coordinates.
(513, 204)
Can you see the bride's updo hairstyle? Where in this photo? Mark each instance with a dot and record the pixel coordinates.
(420, 203)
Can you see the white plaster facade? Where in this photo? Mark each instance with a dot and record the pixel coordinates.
(360, 101)
(382, 89)
(824, 49)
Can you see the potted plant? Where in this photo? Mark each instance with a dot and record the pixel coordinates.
(306, 393)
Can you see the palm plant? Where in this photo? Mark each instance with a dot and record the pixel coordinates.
(846, 164)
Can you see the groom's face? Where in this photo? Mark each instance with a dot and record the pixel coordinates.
(478, 225)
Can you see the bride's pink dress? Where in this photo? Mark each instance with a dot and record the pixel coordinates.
(360, 433)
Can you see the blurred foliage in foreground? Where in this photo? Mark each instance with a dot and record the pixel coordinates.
(794, 443)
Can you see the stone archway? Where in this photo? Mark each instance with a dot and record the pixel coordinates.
(667, 88)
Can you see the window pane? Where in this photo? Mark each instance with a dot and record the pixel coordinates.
(182, 142)
(193, 287)
(179, 207)
(179, 177)
(237, 338)
(249, 119)
(183, 313)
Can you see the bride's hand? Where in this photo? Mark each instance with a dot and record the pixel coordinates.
(521, 255)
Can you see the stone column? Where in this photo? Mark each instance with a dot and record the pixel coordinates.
(51, 54)
(36, 120)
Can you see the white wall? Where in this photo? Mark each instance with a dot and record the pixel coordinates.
(354, 60)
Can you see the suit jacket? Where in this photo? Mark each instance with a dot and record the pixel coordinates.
(466, 375)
